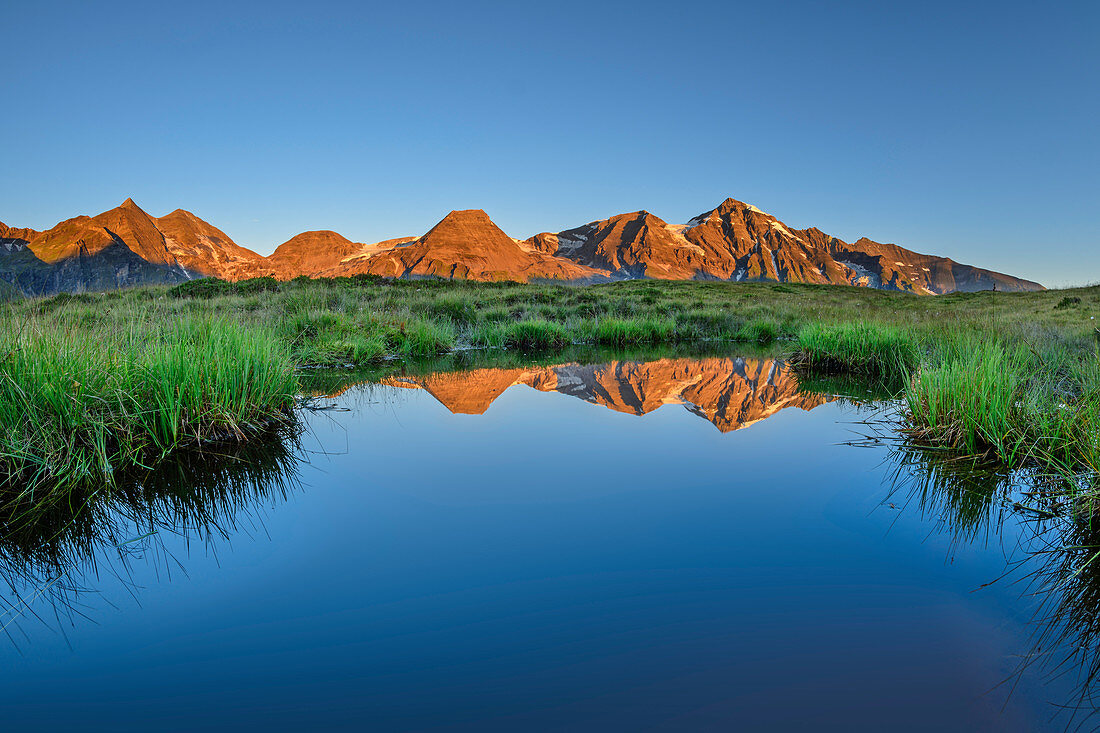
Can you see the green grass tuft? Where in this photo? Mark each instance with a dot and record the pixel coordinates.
(869, 349)
(74, 409)
(535, 334)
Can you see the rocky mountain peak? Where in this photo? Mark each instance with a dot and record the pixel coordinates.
(731, 208)
(468, 229)
(466, 218)
(313, 238)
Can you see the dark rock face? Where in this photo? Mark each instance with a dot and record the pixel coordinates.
(119, 248)
(735, 241)
(86, 254)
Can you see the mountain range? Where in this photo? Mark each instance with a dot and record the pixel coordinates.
(734, 241)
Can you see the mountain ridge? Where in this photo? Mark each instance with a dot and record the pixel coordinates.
(734, 241)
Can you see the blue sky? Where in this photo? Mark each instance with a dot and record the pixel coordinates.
(962, 129)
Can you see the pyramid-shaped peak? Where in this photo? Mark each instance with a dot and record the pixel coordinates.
(649, 216)
(127, 211)
(467, 221)
(732, 204)
(467, 215)
(468, 230)
(642, 215)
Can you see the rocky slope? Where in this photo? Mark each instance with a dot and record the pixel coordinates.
(735, 241)
(729, 393)
(627, 246)
(203, 249)
(10, 236)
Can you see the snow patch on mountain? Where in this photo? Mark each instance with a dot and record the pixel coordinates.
(570, 242)
(775, 265)
(778, 226)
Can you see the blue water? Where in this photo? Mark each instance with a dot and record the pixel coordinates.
(550, 564)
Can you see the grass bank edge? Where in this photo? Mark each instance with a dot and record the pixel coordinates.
(78, 409)
(368, 320)
(976, 392)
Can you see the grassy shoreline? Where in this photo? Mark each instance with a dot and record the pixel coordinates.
(90, 384)
(993, 394)
(78, 406)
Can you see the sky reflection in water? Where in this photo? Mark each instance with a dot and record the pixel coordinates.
(557, 546)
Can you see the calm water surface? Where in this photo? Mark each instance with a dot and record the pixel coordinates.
(679, 544)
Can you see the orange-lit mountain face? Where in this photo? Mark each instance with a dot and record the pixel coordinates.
(730, 393)
(205, 250)
(735, 241)
(308, 253)
(468, 245)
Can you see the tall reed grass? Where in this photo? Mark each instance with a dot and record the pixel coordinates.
(978, 392)
(76, 407)
(870, 349)
(969, 398)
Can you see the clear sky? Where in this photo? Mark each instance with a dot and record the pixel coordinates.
(970, 130)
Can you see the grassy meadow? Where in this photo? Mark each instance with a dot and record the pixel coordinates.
(94, 384)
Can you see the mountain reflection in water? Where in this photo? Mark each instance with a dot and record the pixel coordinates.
(731, 393)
